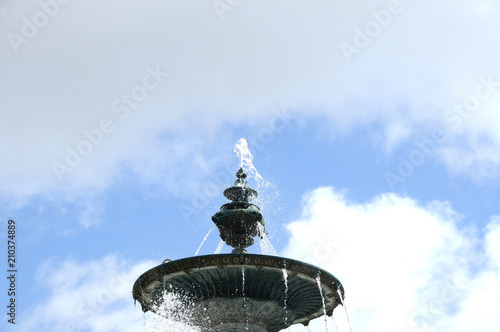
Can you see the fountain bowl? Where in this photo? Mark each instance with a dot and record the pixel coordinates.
(233, 292)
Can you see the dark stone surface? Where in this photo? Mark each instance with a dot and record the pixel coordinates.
(220, 277)
(240, 221)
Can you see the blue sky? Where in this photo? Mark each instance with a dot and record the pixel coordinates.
(374, 124)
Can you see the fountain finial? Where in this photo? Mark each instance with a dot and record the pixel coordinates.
(240, 191)
(241, 173)
(239, 221)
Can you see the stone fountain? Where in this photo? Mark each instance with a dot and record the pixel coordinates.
(241, 291)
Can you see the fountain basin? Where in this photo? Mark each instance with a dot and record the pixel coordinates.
(233, 292)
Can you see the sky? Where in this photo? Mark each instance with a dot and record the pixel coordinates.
(374, 124)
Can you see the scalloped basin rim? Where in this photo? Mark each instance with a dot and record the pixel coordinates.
(243, 260)
(300, 275)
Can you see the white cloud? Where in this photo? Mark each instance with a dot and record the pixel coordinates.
(396, 132)
(91, 214)
(404, 266)
(262, 56)
(86, 296)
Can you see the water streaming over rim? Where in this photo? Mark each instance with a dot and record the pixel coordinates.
(345, 310)
(318, 280)
(285, 279)
(335, 324)
(204, 239)
(243, 293)
(243, 280)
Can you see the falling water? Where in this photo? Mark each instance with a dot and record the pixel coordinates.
(211, 229)
(243, 280)
(172, 316)
(318, 280)
(243, 294)
(219, 247)
(335, 324)
(285, 278)
(345, 309)
(266, 248)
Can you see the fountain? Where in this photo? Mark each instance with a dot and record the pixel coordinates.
(240, 291)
